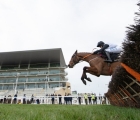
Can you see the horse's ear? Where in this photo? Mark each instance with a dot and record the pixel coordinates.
(76, 52)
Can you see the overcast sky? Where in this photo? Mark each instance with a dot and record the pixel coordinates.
(67, 24)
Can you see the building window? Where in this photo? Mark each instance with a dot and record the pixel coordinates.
(41, 85)
(53, 85)
(54, 64)
(24, 66)
(29, 86)
(22, 79)
(42, 72)
(0, 87)
(10, 87)
(5, 67)
(33, 72)
(39, 65)
(36, 79)
(54, 78)
(54, 71)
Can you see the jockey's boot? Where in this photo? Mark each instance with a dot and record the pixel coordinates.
(108, 56)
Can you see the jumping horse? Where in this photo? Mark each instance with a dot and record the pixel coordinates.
(97, 65)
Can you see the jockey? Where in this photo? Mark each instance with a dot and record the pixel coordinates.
(107, 48)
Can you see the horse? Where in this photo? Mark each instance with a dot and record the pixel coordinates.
(97, 65)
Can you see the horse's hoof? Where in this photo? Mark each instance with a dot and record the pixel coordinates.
(89, 79)
(82, 78)
(84, 82)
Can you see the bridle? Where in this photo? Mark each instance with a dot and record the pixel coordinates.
(76, 60)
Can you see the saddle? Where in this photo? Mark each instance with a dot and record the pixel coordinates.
(114, 56)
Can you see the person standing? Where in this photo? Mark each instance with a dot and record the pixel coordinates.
(70, 99)
(79, 99)
(32, 98)
(15, 98)
(38, 102)
(5, 100)
(89, 99)
(24, 99)
(60, 99)
(93, 98)
(86, 99)
(52, 97)
(65, 99)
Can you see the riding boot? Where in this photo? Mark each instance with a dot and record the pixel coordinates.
(108, 56)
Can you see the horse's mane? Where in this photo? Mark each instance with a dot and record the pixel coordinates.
(84, 52)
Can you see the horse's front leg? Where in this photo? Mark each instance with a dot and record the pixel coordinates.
(83, 76)
(92, 70)
(84, 73)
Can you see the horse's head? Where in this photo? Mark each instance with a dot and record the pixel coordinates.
(74, 60)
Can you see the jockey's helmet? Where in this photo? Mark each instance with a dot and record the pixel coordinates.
(101, 43)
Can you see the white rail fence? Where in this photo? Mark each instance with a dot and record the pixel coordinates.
(48, 100)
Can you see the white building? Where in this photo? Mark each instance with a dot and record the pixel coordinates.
(37, 72)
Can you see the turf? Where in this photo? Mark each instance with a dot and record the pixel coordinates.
(66, 112)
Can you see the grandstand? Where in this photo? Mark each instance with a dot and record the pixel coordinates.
(37, 72)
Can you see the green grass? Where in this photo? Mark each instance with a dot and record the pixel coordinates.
(67, 112)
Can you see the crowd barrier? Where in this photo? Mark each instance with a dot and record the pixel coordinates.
(48, 100)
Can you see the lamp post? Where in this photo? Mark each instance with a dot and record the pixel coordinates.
(16, 83)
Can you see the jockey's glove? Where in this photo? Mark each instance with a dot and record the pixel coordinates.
(96, 52)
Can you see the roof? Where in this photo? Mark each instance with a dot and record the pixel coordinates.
(32, 56)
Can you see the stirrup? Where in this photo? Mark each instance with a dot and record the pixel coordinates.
(108, 61)
(115, 60)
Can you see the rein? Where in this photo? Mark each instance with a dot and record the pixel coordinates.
(86, 56)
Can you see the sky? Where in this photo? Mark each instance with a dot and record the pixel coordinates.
(68, 24)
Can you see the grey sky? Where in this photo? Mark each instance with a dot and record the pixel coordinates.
(67, 24)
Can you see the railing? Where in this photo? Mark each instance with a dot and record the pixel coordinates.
(32, 74)
(48, 100)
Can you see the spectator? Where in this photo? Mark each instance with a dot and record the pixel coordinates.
(5, 99)
(93, 98)
(86, 98)
(89, 99)
(32, 98)
(9, 99)
(103, 100)
(60, 99)
(79, 99)
(52, 98)
(95, 101)
(65, 99)
(70, 99)
(24, 99)
(15, 99)
(37, 101)
(100, 98)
